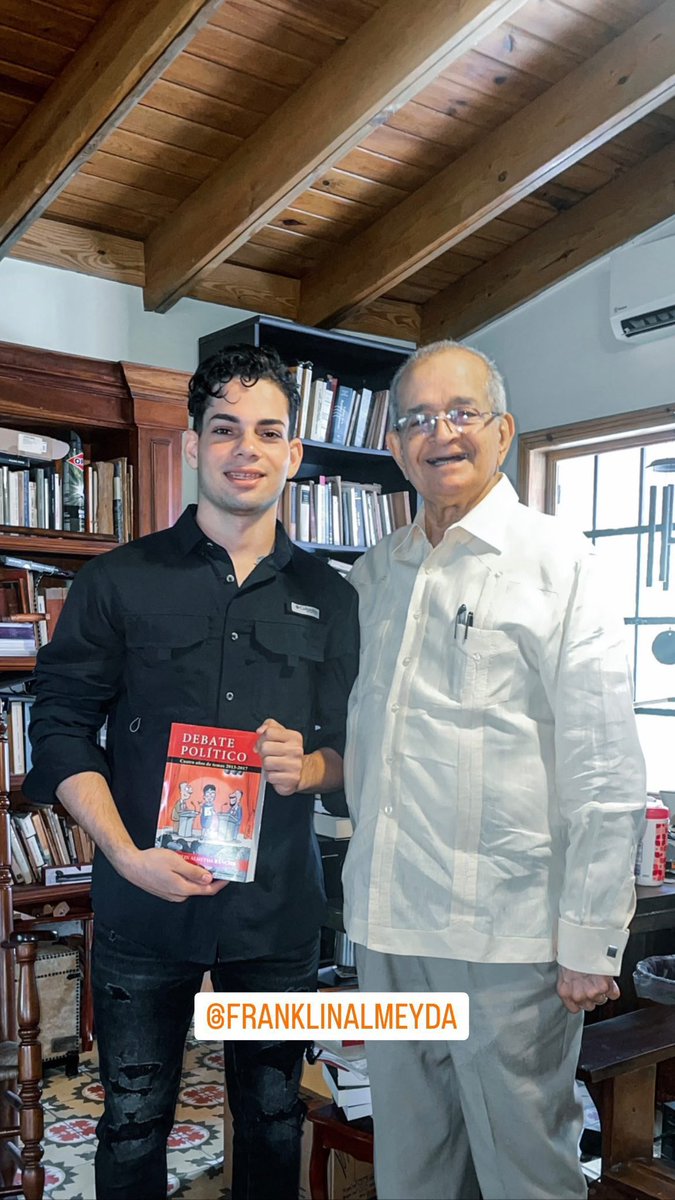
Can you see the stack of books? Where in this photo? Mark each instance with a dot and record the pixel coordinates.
(17, 640)
(327, 824)
(345, 1070)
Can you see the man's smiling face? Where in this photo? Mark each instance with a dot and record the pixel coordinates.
(243, 454)
(451, 467)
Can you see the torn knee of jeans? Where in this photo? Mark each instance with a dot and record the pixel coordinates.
(290, 1114)
(135, 1079)
(117, 993)
(280, 1057)
(132, 1130)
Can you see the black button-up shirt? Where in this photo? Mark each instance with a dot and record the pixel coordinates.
(159, 631)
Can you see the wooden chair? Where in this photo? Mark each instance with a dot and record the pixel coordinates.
(618, 1064)
(21, 1082)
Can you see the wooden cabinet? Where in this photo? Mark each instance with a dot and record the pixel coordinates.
(118, 409)
(355, 362)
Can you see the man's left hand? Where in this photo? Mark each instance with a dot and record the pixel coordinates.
(283, 757)
(578, 991)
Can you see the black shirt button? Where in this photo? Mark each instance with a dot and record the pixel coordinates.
(235, 637)
(229, 695)
(229, 578)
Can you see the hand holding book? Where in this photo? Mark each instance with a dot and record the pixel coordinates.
(282, 754)
(168, 875)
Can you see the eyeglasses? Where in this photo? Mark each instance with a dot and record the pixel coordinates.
(427, 423)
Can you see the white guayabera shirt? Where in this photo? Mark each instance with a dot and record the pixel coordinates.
(493, 771)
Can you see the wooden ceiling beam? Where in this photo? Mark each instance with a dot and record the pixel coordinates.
(123, 56)
(621, 210)
(394, 55)
(108, 256)
(627, 79)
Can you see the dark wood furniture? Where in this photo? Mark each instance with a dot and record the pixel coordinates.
(332, 1131)
(618, 1064)
(119, 409)
(21, 1114)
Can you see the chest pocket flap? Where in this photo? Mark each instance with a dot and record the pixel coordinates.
(164, 636)
(292, 640)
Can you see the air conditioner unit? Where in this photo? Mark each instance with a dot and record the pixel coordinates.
(642, 291)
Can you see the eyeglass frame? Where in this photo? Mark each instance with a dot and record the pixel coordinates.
(405, 424)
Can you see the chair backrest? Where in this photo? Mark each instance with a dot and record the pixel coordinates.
(23, 1086)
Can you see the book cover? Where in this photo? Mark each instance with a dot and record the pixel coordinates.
(212, 800)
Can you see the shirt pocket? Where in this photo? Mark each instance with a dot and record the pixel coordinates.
(164, 660)
(287, 656)
(481, 667)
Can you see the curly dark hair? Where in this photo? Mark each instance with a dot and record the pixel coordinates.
(248, 364)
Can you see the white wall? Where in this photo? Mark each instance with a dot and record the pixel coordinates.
(61, 310)
(562, 362)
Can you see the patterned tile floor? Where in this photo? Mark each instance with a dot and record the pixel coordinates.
(72, 1108)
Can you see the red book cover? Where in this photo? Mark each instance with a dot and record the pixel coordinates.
(212, 800)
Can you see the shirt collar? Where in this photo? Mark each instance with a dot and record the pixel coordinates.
(489, 521)
(189, 536)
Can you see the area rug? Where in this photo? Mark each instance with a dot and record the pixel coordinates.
(73, 1106)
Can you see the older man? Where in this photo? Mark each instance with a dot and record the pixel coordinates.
(496, 785)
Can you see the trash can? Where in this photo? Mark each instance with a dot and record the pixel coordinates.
(654, 978)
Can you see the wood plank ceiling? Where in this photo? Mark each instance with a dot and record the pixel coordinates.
(407, 167)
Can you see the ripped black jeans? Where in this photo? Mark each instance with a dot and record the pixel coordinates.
(143, 1007)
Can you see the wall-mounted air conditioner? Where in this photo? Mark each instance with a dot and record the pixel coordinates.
(642, 291)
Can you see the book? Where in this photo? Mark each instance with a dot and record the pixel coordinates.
(345, 1095)
(328, 825)
(69, 874)
(212, 800)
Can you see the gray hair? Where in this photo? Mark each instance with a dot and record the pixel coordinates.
(496, 388)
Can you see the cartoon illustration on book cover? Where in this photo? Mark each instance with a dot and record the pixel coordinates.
(212, 800)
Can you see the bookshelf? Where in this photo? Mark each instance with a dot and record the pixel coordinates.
(355, 362)
(120, 410)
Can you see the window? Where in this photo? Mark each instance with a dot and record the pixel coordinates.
(614, 479)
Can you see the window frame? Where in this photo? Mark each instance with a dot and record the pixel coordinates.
(541, 449)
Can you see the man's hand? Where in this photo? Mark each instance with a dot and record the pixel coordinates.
(166, 874)
(578, 990)
(282, 754)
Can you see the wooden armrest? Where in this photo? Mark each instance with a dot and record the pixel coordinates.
(627, 1043)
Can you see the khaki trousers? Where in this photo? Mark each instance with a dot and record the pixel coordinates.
(494, 1115)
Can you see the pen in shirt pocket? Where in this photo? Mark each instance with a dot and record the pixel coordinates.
(463, 617)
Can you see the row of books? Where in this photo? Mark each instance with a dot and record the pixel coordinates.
(336, 512)
(47, 847)
(339, 414)
(32, 498)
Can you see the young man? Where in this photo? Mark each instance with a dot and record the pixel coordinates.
(219, 621)
(497, 789)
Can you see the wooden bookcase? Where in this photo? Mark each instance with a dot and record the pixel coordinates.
(119, 409)
(357, 362)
